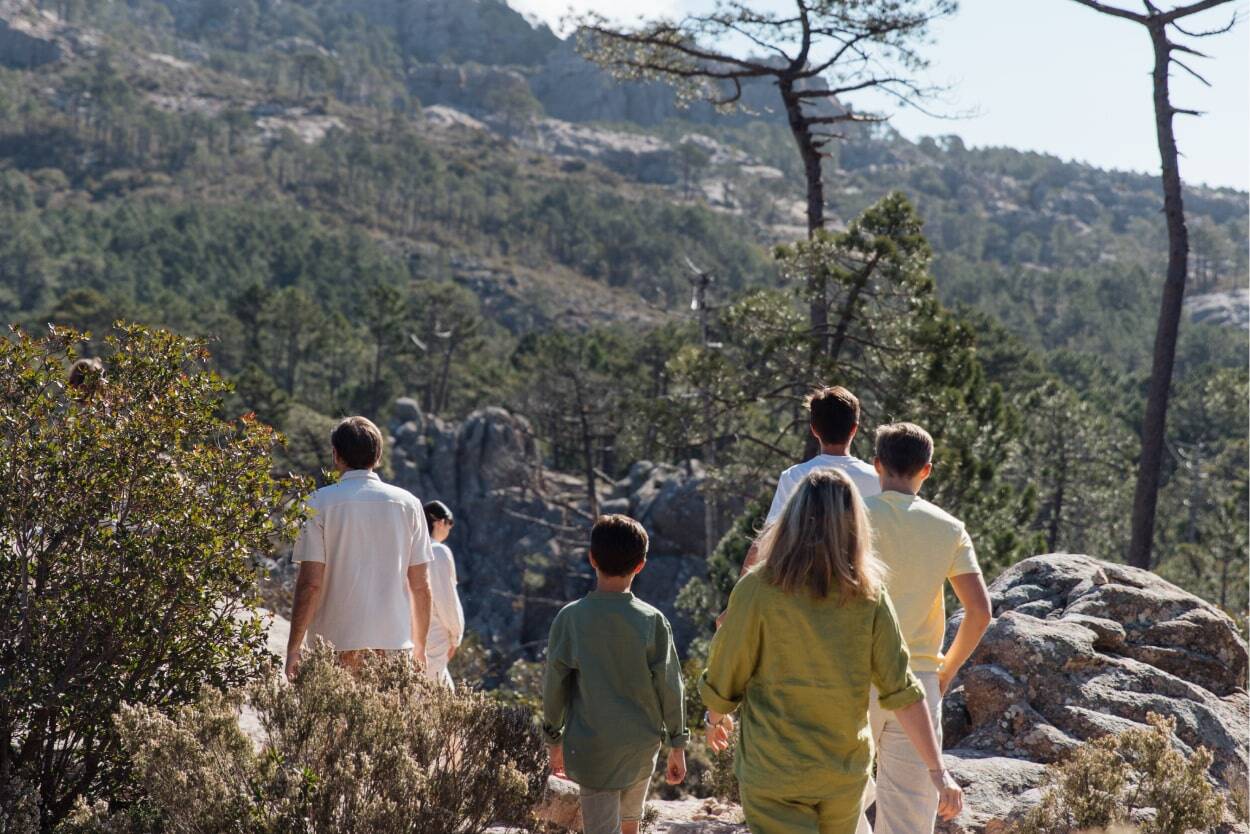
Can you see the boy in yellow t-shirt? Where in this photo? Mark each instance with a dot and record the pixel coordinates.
(922, 547)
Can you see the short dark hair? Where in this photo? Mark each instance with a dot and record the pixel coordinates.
(84, 371)
(904, 448)
(834, 413)
(618, 543)
(358, 442)
(437, 511)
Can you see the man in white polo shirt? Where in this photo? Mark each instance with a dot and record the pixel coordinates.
(833, 415)
(363, 559)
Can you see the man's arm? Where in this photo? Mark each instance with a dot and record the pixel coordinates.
(975, 598)
(419, 588)
(307, 600)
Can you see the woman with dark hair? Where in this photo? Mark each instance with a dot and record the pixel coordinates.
(447, 616)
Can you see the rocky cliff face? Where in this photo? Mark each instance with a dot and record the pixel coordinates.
(1081, 648)
(520, 535)
(31, 37)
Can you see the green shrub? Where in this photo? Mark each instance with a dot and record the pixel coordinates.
(1108, 782)
(130, 516)
(384, 751)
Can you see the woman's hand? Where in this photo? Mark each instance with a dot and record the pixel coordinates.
(950, 795)
(719, 730)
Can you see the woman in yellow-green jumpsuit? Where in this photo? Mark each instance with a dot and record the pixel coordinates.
(805, 636)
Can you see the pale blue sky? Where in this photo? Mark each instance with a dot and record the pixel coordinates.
(1053, 76)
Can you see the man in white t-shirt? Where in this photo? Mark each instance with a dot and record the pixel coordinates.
(833, 414)
(363, 557)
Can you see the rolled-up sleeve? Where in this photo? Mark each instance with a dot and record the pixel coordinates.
(311, 544)
(964, 559)
(734, 653)
(896, 686)
(670, 689)
(557, 683)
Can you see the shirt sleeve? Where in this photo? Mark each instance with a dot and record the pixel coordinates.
(446, 606)
(669, 687)
(557, 682)
(779, 500)
(421, 552)
(311, 544)
(734, 652)
(965, 559)
(896, 686)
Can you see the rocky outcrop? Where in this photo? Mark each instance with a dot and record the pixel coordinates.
(31, 37)
(1078, 649)
(23, 46)
(635, 155)
(519, 538)
(471, 87)
(1227, 309)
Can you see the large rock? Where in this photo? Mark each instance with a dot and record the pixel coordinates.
(1080, 648)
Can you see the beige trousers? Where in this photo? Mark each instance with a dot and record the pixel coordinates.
(906, 799)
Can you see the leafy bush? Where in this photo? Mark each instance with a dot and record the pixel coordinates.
(1111, 781)
(130, 515)
(385, 751)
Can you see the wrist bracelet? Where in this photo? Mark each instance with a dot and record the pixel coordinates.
(708, 722)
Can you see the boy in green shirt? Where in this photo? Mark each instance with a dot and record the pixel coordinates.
(613, 690)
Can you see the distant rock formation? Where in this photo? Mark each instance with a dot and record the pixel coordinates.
(1227, 309)
(519, 538)
(31, 38)
(1080, 648)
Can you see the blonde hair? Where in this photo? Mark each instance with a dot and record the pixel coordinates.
(822, 541)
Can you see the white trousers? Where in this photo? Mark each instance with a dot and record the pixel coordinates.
(906, 799)
(436, 670)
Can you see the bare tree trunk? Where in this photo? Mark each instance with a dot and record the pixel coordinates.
(588, 451)
(1154, 426)
(818, 310)
(815, 204)
(1056, 513)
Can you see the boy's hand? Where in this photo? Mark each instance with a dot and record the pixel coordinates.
(718, 735)
(556, 753)
(676, 772)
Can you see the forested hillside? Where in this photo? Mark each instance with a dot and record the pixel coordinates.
(364, 199)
